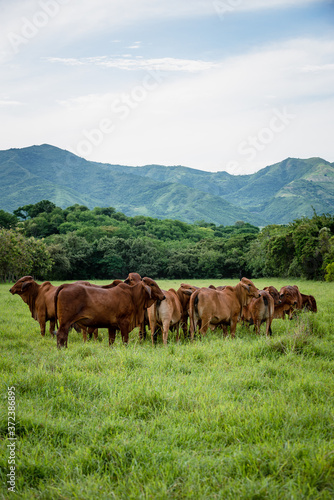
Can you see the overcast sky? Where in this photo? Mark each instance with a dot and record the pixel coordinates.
(231, 85)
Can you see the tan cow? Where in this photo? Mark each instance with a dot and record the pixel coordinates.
(166, 315)
(260, 310)
(215, 307)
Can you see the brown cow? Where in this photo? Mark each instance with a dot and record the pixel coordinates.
(184, 292)
(260, 310)
(40, 299)
(91, 331)
(274, 293)
(219, 287)
(121, 307)
(133, 279)
(214, 307)
(309, 303)
(166, 314)
(290, 295)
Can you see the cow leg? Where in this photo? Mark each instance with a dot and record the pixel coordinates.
(233, 326)
(165, 330)
(153, 326)
(84, 333)
(52, 327)
(257, 326)
(177, 327)
(125, 328)
(42, 325)
(142, 329)
(112, 334)
(93, 331)
(62, 335)
(205, 320)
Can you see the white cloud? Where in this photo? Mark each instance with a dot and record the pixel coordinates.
(134, 64)
(210, 119)
(7, 102)
(195, 112)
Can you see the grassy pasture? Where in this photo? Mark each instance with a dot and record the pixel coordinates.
(249, 418)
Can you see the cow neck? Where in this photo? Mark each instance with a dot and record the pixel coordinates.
(32, 296)
(139, 301)
(239, 290)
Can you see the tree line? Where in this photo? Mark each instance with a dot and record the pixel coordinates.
(52, 243)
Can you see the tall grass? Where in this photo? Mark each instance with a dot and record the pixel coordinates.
(249, 418)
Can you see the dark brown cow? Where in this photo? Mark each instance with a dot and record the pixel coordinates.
(213, 307)
(40, 299)
(290, 295)
(166, 314)
(91, 331)
(260, 310)
(309, 303)
(121, 307)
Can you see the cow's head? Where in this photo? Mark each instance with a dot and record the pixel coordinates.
(155, 291)
(274, 293)
(289, 296)
(250, 287)
(22, 285)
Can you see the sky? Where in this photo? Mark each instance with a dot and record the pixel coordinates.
(215, 85)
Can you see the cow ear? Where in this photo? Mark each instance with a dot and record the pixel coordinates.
(245, 286)
(187, 292)
(148, 289)
(25, 285)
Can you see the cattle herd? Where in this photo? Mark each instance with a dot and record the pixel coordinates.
(139, 302)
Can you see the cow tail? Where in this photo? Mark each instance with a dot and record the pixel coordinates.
(56, 301)
(193, 310)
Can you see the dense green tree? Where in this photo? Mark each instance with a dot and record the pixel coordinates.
(103, 243)
(7, 220)
(30, 211)
(21, 256)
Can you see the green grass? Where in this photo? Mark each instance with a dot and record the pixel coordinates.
(249, 418)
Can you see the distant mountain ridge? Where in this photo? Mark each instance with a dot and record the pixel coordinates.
(277, 194)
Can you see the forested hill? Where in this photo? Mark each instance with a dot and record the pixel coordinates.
(276, 194)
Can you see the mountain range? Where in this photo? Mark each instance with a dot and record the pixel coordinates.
(276, 194)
